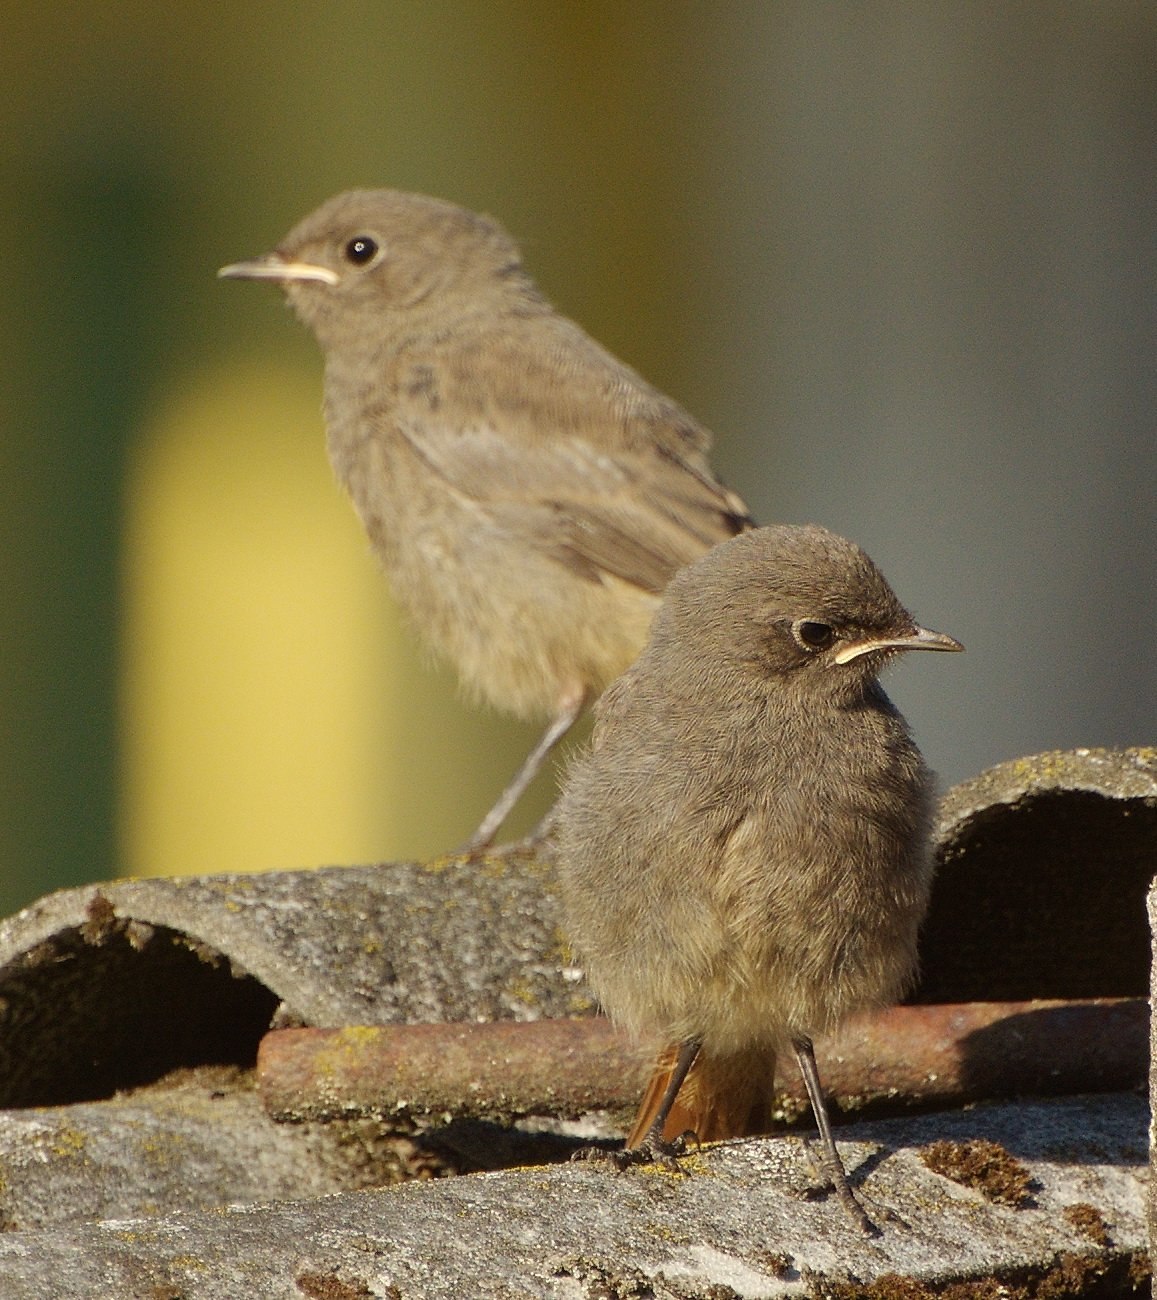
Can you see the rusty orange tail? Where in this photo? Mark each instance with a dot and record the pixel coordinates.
(722, 1097)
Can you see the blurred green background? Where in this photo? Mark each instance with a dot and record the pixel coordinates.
(898, 256)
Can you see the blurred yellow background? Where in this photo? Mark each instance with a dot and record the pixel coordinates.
(900, 257)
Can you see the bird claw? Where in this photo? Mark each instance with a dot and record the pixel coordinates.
(651, 1151)
(835, 1180)
(539, 843)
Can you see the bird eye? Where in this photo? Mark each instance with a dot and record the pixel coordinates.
(812, 635)
(361, 249)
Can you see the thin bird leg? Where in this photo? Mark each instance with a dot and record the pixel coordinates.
(567, 712)
(653, 1142)
(654, 1148)
(832, 1165)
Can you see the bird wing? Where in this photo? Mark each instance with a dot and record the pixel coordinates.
(637, 516)
(577, 454)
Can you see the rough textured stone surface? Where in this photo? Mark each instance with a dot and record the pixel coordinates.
(113, 985)
(200, 1141)
(1153, 1080)
(1044, 868)
(741, 1221)
(1044, 865)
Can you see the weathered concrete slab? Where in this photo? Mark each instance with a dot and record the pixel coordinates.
(1152, 1206)
(1044, 865)
(196, 1142)
(1044, 868)
(201, 1139)
(113, 985)
(740, 1224)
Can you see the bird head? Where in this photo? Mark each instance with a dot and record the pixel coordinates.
(794, 604)
(365, 264)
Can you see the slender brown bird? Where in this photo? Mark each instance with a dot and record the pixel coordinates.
(528, 495)
(744, 849)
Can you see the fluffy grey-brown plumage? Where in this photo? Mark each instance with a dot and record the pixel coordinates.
(744, 849)
(528, 494)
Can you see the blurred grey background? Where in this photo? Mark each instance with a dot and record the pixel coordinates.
(898, 256)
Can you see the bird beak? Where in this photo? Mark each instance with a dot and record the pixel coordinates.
(918, 639)
(275, 267)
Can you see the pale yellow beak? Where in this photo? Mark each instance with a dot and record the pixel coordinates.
(272, 266)
(919, 639)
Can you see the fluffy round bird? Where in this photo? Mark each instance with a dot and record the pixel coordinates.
(528, 494)
(744, 849)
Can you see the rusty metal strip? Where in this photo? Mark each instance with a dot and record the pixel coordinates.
(903, 1057)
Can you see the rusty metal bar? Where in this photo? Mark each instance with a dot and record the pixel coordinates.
(497, 1069)
(904, 1057)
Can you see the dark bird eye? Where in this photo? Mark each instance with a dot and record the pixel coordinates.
(361, 249)
(812, 635)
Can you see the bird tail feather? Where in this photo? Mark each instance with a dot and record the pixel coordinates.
(722, 1097)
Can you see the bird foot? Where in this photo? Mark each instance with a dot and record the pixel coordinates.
(538, 844)
(834, 1179)
(651, 1151)
(529, 847)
